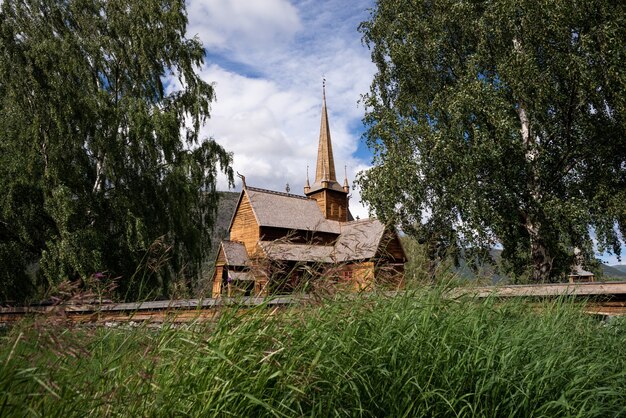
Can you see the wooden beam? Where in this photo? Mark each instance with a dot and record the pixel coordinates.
(614, 289)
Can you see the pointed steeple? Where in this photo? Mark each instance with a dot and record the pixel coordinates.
(346, 186)
(325, 169)
(330, 196)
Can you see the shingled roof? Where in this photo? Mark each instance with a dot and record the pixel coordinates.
(579, 271)
(298, 252)
(283, 210)
(235, 253)
(359, 240)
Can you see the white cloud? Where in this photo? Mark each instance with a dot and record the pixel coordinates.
(267, 64)
(227, 23)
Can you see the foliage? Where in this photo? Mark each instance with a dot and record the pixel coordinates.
(98, 157)
(500, 122)
(411, 355)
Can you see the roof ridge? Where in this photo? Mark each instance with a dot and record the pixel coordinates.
(256, 189)
(360, 221)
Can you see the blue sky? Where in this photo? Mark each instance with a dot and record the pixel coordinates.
(266, 59)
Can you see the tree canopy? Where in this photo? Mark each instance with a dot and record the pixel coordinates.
(102, 168)
(501, 122)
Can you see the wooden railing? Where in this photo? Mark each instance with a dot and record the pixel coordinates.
(602, 298)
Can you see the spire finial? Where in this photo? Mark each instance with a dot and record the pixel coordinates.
(324, 87)
(307, 185)
(346, 186)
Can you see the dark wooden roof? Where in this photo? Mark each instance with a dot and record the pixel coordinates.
(235, 253)
(331, 185)
(283, 210)
(356, 240)
(359, 240)
(579, 271)
(276, 250)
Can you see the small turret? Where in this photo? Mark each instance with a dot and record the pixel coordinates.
(307, 186)
(346, 186)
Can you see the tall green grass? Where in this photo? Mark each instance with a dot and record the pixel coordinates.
(412, 355)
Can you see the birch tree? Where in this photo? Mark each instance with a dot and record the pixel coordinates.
(503, 121)
(99, 158)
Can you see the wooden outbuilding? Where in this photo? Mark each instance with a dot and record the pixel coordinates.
(579, 275)
(280, 242)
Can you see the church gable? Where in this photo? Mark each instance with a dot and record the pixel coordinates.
(391, 248)
(244, 227)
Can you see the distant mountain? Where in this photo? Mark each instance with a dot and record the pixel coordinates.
(618, 271)
(620, 267)
(485, 270)
(225, 210)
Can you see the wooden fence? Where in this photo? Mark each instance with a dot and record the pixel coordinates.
(607, 298)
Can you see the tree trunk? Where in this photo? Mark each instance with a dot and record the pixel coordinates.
(539, 253)
(542, 261)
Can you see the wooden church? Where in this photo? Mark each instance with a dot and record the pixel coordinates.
(281, 242)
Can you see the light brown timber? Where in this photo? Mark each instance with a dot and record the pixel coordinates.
(245, 228)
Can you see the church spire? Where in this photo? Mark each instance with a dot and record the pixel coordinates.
(325, 169)
(330, 196)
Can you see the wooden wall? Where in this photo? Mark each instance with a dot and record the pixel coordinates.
(245, 228)
(332, 203)
(390, 275)
(362, 275)
(391, 248)
(217, 282)
(297, 237)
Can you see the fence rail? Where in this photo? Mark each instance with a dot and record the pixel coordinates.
(606, 298)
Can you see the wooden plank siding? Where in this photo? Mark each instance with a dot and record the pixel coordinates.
(217, 282)
(332, 203)
(363, 275)
(220, 262)
(245, 228)
(391, 247)
(320, 198)
(390, 275)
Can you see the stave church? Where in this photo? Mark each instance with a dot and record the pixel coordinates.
(281, 242)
